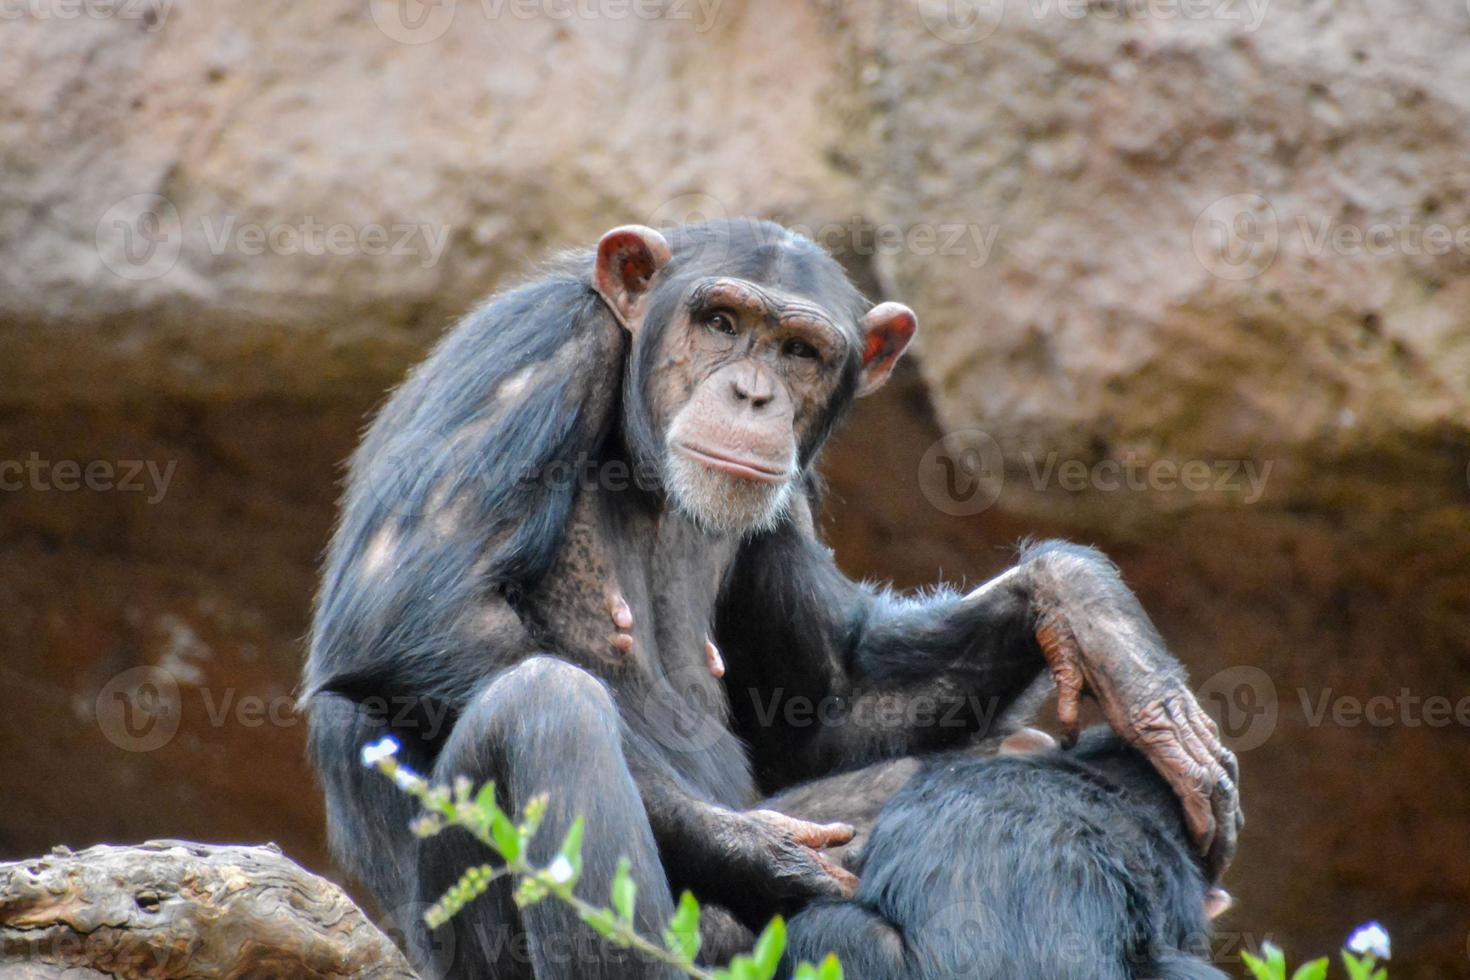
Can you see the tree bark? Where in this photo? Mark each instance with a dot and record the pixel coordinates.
(180, 909)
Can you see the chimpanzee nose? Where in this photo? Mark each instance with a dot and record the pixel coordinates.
(752, 390)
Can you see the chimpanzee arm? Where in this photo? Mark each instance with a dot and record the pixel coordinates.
(825, 673)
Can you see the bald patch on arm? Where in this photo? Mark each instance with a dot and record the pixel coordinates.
(380, 553)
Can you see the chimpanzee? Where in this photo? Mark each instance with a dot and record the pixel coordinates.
(577, 556)
(1032, 862)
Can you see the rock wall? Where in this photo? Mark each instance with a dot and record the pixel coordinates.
(1192, 279)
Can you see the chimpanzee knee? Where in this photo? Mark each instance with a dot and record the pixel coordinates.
(543, 727)
(543, 709)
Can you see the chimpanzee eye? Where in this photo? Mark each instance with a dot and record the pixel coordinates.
(800, 348)
(720, 322)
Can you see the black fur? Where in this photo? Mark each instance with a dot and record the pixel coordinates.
(1059, 865)
(437, 622)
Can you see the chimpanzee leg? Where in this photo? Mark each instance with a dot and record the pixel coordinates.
(548, 727)
(867, 944)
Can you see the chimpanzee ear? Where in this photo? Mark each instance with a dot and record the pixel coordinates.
(887, 330)
(628, 258)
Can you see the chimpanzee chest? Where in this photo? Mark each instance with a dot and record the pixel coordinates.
(632, 599)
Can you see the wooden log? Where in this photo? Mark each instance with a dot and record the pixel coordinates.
(179, 909)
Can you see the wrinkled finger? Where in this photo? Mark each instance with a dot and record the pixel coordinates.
(813, 875)
(1195, 733)
(1159, 740)
(1225, 799)
(819, 835)
(1185, 719)
(806, 833)
(846, 880)
(1227, 829)
(1069, 702)
(1226, 757)
(1228, 821)
(1060, 648)
(1208, 733)
(1192, 785)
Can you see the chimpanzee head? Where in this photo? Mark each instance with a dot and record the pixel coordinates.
(749, 343)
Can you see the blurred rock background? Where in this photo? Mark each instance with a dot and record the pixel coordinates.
(1194, 279)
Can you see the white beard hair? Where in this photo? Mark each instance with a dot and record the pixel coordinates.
(723, 505)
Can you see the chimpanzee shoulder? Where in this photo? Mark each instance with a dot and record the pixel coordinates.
(449, 494)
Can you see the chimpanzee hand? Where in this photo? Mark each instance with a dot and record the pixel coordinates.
(785, 854)
(1096, 638)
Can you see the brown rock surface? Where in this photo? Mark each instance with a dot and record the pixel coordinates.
(1112, 227)
(169, 909)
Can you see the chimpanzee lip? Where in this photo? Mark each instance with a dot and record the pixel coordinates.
(734, 465)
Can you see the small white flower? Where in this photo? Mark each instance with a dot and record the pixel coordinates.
(376, 752)
(560, 870)
(1370, 938)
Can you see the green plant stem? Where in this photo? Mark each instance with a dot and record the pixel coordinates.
(624, 931)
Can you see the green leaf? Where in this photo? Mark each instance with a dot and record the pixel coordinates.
(1273, 967)
(768, 949)
(1315, 970)
(529, 891)
(830, 969)
(531, 816)
(682, 936)
(507, 838)
(470, 886)
(601, 920)
(571, 845)
(624, 890)
(1362, 967)
(740, 968)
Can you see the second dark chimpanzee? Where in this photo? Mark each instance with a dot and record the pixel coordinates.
(1033, 862)
(595, 485)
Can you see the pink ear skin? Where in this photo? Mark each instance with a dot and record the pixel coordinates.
(887, 330)
(628, 258)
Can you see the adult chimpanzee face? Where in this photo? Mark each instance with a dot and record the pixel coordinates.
(750, 375)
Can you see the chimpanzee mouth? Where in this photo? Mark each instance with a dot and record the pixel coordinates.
(725, 495)
(746, 469)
